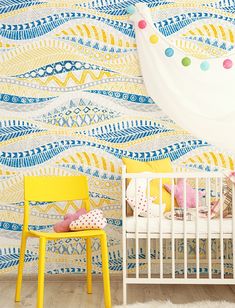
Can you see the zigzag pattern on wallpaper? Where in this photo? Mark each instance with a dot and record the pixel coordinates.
(72, 101)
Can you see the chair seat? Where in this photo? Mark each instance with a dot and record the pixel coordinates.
(72, 234)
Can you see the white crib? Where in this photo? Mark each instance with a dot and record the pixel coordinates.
(157, 264)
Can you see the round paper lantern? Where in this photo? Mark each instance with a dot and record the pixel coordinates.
(153, 39)
(227, 63)
(142, 24)
(205, 66)
(130, 9)
(186, 61)
(169, 52)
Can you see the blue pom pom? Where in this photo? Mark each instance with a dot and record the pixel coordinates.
(130, 9)
(169, 52)
(205, 66)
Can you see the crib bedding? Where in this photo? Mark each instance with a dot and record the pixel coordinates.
(178, 225)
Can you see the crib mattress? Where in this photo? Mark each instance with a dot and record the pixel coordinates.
(178, 225)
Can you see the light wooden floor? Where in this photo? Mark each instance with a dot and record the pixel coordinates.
(72, 294)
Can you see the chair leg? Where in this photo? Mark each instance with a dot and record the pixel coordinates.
(20, 267)
(41, 270)
(124, 294)
(105, 269)
(89, 265)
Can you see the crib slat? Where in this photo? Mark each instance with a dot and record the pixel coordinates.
(221, 231)
(124, 239)
(197, 232)
(233, 218)
(172, 227)
(185, 232)
(216, 198)
(208, 189)
(136, 232)
(160, 230)
(148, 240)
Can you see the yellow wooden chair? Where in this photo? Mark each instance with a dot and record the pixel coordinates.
(59, 188)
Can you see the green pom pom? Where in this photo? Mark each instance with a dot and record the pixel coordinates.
(186, 61)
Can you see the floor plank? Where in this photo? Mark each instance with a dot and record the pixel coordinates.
(72, 294)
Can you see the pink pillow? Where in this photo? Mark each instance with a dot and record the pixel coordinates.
(63, 226)
(190, 194)
(92, 220)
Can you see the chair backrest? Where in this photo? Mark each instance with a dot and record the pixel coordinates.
(54, 188)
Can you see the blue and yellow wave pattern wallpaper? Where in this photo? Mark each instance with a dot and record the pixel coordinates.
(73, 101)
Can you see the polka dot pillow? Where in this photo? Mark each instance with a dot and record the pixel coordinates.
(138, 196)
(89, 221)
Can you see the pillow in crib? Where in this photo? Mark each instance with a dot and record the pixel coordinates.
(158, 166)
(227, 206)
(89, 221)
(136, 194)
(190, 194)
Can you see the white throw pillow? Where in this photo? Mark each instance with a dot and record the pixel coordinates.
(138, 195)
(89, 221)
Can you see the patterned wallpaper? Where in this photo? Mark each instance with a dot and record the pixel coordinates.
(72, 101)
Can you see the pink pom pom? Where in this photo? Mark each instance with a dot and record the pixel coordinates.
(142, 24)
(227, 63)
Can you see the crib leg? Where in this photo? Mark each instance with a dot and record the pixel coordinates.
(124, 294)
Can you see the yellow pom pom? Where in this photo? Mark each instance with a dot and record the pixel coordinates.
(153, 39)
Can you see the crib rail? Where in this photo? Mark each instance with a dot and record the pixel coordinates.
(174, 175)
(153, 260)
